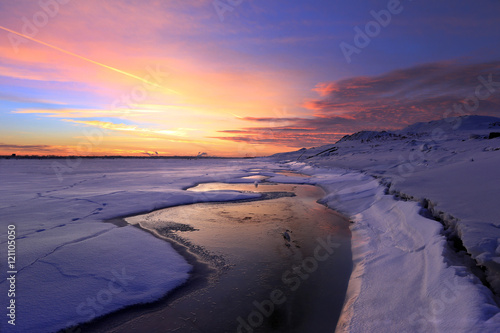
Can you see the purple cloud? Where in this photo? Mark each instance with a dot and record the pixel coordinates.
(386, 102)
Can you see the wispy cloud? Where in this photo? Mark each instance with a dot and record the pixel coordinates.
(26, 147)
(85, 113)
(27, 100)
(8, 149)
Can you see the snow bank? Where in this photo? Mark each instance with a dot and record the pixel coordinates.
(406, 279)
(71, 266)
(450, 164)
(401, 281)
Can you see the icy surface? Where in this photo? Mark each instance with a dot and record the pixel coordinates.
(404, 279)
(71, 266)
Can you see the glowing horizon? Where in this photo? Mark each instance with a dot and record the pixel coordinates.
(179, 79)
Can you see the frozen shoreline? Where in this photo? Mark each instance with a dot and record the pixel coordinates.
(391, 238)
(455, 174)
(449, 165)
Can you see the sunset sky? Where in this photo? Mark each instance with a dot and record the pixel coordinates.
(234, 78)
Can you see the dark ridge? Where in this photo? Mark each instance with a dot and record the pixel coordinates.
(329, 150)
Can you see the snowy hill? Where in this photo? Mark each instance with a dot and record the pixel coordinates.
(448, 164)
(417, 270)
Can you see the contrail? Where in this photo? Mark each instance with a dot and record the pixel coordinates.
(235, 115)
(87, 59)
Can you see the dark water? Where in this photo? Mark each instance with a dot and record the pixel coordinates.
(248, 277)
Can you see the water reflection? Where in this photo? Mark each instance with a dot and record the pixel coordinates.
(245, 241)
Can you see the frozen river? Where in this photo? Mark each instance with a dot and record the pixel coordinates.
(247, 275)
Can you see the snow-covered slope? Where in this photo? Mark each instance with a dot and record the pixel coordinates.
(402, 281)
(451, 167)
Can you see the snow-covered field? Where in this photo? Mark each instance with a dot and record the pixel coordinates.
(406, 278)
(72, 267)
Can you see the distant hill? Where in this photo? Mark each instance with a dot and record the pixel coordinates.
(453, 128)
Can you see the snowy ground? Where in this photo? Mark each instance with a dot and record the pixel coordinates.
(405, 278)
(71, 266)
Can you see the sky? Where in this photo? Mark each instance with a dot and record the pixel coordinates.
(236, 77)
